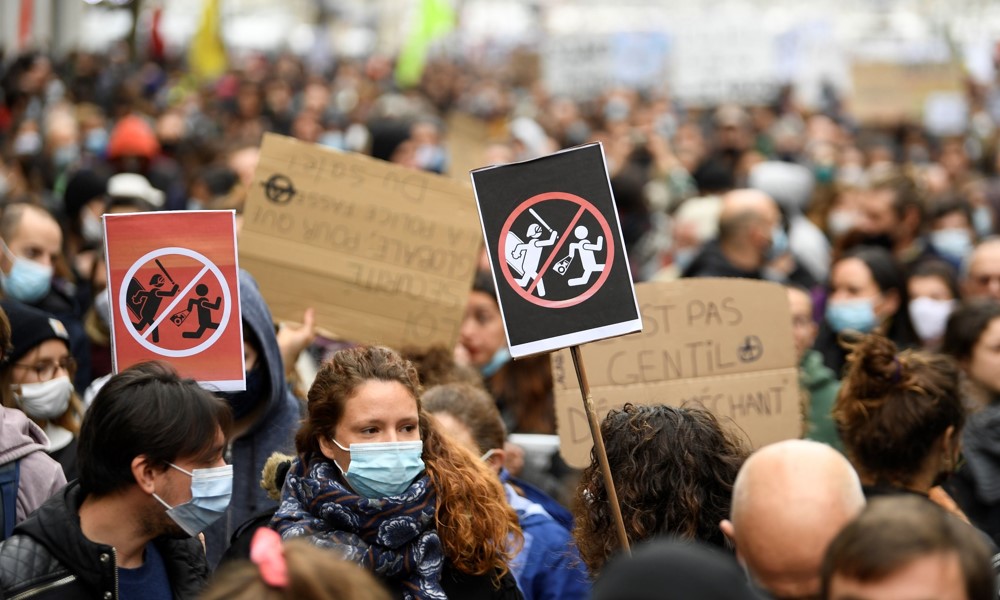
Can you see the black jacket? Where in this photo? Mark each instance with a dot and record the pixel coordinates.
(711, 262)
(49, 557)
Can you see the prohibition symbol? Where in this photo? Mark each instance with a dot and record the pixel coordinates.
(556, 250)
(193, 302)
(279, 189)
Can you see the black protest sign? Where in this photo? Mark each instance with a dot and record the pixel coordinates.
(556, 251)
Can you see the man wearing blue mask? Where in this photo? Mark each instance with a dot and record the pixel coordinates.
(31, 243)
(152, 477)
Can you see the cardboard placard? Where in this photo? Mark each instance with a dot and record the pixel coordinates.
(174, 294)
(556, 251)
(885, 93)
(725, 344)
(385, 254)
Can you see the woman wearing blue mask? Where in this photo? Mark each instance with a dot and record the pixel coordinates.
(377, 483)
(522, 389)
(866, 294)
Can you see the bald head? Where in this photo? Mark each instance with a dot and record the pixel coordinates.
(790, 500)
(981, 271)
(744, 210)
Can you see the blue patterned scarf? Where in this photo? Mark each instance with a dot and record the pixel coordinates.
(393, 537)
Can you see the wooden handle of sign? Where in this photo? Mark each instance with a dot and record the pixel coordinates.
(602, 454)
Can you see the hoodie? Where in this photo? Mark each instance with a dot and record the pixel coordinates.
(272, 431)
(40, 475)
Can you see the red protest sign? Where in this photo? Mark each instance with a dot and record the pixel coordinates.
(174, 294)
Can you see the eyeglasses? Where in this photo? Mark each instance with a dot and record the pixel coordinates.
(47, 369)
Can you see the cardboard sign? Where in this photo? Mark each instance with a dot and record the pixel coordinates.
(725, 344)
(556, 251)
(174, 292)
(887, 93)
(385, 254)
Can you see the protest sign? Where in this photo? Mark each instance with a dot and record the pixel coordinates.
(174, 294)
(555, 245)
(384, 254)
(725, 344)
(885, 93)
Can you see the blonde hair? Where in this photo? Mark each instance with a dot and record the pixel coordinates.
(313, 574)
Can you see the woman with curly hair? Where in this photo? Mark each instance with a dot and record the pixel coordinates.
(377, 482)
(900, 415)
(674, 470)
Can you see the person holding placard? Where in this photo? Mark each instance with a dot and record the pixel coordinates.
(378, 484)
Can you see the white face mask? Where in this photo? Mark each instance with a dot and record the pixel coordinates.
(91, 227)
(45, 400)
(930, 316)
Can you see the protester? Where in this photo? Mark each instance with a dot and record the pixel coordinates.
(750, 235)
(296, 570)
(265, 418)
(521, 388)
(789, 500)
(972, 334)
(548, 564)
(901, 416)
(981, 271)
(151, 478)
(891, 216)
(378, 484)
(680, 570)
(32, 252)
(673, 470)
(901, 548)
(867, 293)
(819, 383)
(37, 379)
(933, 291)
(28, 476)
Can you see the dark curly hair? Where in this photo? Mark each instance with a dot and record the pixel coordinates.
(674, 470)
(892, 407)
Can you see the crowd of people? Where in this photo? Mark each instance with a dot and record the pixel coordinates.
(387, 472)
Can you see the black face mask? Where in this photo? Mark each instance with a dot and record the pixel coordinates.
(244, 402)
(883, 240)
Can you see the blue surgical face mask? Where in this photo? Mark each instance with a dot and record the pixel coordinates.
(500, 358)
(28, 281)
(211, 490)
(982, 221)
(96, 141)
(953, 244)
(779, 243)
(383, 469)
(854, 315)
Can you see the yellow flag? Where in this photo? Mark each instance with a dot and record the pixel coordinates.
(207, 55)
(434, 19)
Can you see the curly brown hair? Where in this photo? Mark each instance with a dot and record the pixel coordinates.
(674, 470)
(474, 521)
(892, 407)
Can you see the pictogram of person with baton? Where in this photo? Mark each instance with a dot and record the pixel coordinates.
(532, 252)
(148, 301)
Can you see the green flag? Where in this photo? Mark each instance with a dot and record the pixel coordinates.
(434, 19)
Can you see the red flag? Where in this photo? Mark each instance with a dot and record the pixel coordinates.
(156, 45)
(26, 21)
